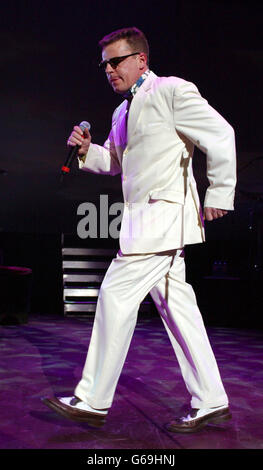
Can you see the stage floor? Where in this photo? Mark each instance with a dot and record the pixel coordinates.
(45, 357)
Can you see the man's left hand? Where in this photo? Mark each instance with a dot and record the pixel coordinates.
(211, 213)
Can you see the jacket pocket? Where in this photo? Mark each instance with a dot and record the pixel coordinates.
(168, 195)
(155, 128)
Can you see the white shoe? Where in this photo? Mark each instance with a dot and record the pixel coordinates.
(76, 403)
(198, 418)
(75, 409)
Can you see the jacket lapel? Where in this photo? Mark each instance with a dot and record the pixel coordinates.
(122, 125)
(137, 104)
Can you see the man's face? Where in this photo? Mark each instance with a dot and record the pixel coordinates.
(128, 71)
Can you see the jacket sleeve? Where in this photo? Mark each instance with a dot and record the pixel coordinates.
(212, 134)
(102, 159)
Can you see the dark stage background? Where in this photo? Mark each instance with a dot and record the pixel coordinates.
(50, 81)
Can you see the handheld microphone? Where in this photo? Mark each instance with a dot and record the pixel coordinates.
(65, 169)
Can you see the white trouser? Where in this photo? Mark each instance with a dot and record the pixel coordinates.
(126, 283)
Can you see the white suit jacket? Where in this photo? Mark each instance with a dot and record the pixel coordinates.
(167, 118)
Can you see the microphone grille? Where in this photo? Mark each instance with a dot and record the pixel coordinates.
(84, 125)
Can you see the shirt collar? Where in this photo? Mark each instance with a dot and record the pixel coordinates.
(135, 87)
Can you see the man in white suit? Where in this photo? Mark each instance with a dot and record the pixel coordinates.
(151, 143)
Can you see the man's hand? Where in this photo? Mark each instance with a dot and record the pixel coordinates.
(210, 213)
(81, 138)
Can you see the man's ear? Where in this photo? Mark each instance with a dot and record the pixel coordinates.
(143, 59)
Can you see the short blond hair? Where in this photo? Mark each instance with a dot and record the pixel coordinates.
(134, 37)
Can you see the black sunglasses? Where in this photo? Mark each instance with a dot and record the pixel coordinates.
(115, 61)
